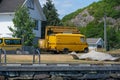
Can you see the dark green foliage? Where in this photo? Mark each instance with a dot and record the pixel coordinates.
(51, 14)
(112, 2)
(96, 31)
(93, 30)
(98, 10)
(113, 38)
(104, 6)
(23, 26)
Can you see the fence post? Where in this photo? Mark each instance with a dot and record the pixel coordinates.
(0, 55)
(38, 54)
(33, 54)
(5, 58)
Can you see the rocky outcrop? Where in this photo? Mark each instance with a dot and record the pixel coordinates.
(113, 22)
(82, 19)
(117, 8)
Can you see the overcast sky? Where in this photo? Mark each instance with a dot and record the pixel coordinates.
(65, 7)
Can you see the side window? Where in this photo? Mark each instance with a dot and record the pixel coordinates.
(82, 39)
(13, 42)
(30, 4)
(1, 41)
(7, 42)
(17, 42)
(49, 32)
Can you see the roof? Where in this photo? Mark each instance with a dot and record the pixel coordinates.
(93, 40)
(69, 34)
(10, 5)
(62, 29)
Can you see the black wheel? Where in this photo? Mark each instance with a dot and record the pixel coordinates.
(55, 52)
(65, 51)
(18, 51)
(86, 50)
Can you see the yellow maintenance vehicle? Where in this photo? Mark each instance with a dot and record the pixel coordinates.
(63, 39)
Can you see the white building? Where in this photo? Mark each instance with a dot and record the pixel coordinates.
(95, 43)
(7, 11)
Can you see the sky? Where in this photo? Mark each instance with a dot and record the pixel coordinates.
(65, 7)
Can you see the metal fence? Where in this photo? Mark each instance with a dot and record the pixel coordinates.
(27, 50)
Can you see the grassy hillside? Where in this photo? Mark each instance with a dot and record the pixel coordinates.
(72, 15)
(97, 9)
(95, 28)
(105, 6)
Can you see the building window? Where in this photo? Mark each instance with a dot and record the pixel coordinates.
(43, 27)
(30, 4)
(36, 25)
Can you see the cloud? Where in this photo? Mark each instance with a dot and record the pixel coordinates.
(44, 1)
(67, 4)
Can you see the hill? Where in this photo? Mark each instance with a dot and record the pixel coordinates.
(95, 11)
(90, 20)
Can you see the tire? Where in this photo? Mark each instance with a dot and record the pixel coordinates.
(55, 52)
(86, 50)
(65, 51)
(18, 51)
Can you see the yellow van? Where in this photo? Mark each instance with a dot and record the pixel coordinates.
(9, 44)
(65, 43)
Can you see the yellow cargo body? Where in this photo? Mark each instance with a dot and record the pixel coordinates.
(66, 42)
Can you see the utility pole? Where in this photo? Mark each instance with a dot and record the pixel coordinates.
(105, 33)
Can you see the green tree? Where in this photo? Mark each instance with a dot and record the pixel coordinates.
(93, 30)
(113, 38)
(51, 14)
(23, 26)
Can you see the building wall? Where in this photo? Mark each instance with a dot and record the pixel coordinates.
(35, 15)
(95, 45)
(101, 43)
(92, 46)
(5, 22)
